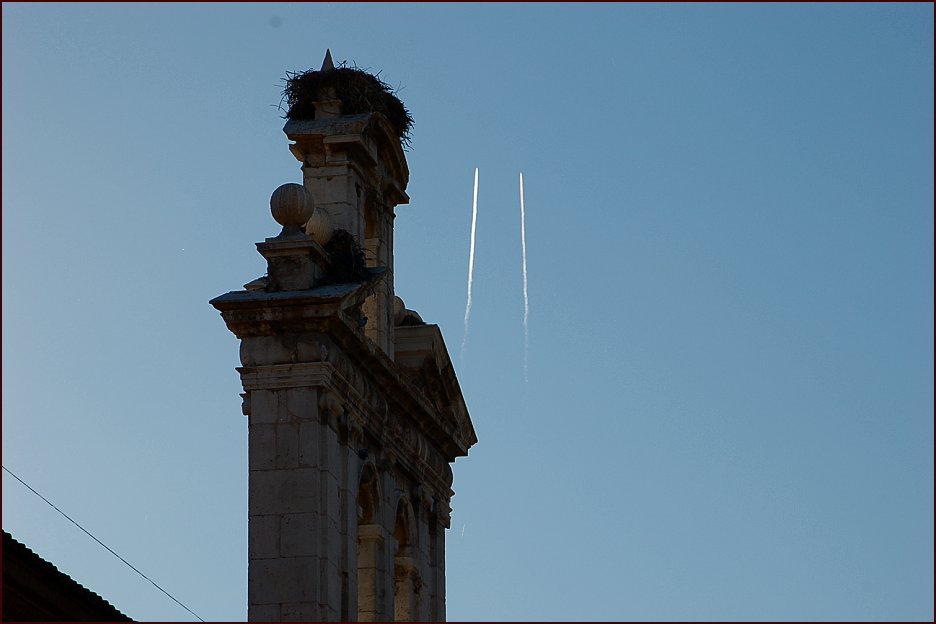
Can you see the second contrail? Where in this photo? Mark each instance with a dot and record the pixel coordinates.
(526, 298)
(471, 251)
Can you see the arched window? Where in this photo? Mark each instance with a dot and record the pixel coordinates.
(369, 540)
(405, 573)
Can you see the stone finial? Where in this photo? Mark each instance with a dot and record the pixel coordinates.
(292, 207)
(320, 227)
(327, 64)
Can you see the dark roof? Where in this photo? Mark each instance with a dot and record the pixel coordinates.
(35, 590)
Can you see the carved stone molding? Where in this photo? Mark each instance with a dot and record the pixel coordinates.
(280, 376)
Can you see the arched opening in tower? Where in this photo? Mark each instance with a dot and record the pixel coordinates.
(405, 573)
(369, 540)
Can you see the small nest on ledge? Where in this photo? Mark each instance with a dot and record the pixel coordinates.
(359, 92)
(347, 260)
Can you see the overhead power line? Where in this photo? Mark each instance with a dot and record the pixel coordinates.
(109, 549)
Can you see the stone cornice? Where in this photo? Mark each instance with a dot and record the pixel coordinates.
(280, 376)
(260, 313)
(405, 444)
(391, 379)
(357, 370)
(256, 313)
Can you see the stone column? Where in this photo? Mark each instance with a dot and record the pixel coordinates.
(406, 576)
(369, 571)
(423, 556)
(440, 522)
(331, 533)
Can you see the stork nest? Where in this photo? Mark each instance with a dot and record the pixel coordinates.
(358, 90)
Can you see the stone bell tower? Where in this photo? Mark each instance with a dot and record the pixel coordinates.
(355, 413)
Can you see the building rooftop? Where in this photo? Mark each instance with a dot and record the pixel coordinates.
(35, 590)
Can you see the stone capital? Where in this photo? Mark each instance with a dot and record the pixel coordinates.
(370, 533)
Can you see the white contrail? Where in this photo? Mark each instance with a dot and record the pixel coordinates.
(474, 221)
(526, 298)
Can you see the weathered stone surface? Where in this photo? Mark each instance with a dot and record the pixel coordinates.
(283, 491)
(263, 537)
(261, 447)
(310, 439)
(302, 404)
(264, 613)
(291, 204)
(264, 407)
(287, 445)
(293, 263)
(303, 612)
(283, 580)
(301, 534)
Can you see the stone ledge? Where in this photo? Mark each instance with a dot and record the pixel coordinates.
(279, 376)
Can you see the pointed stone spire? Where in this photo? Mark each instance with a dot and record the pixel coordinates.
(327, 64)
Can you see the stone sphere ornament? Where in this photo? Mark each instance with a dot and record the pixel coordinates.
(292, 207)
(320, 227)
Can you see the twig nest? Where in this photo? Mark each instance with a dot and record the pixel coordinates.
(291, 205)
(357, 90)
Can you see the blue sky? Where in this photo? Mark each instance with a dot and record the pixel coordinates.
(729, 406)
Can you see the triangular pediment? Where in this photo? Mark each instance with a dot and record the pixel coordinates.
(420, 351)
